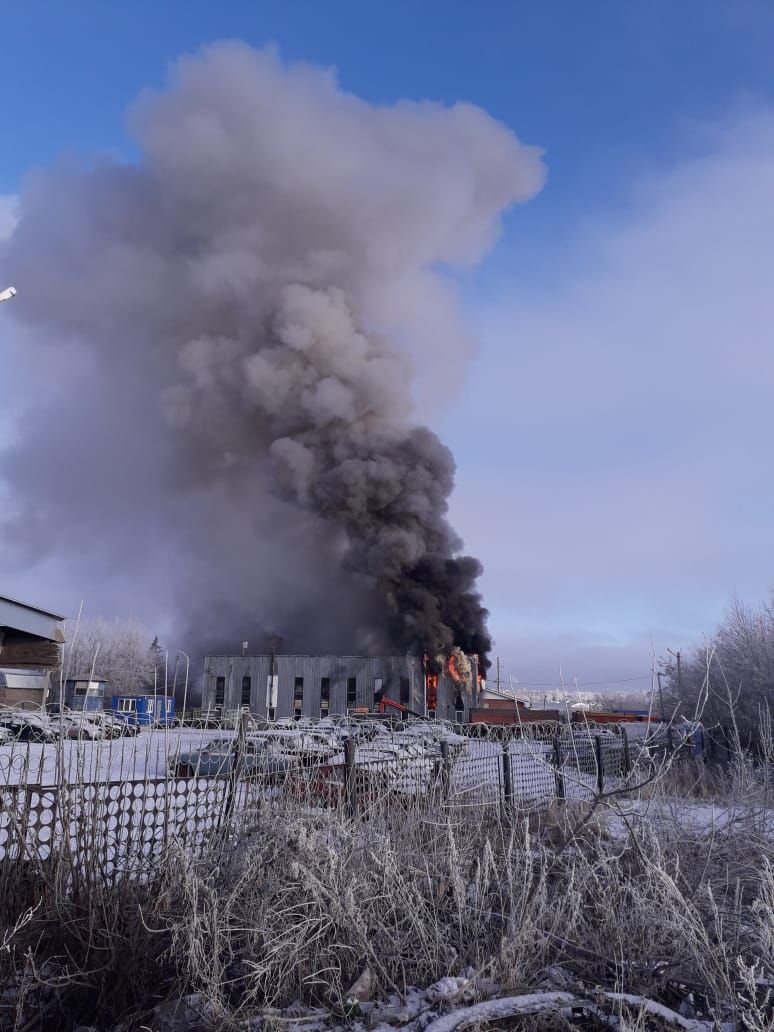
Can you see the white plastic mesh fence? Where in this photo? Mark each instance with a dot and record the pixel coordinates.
(111, 805)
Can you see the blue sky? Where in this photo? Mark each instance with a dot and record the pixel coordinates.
(608, 505)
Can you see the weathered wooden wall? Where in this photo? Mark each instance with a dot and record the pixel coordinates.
(25, 651)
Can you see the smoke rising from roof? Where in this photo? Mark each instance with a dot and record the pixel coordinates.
(240, 325)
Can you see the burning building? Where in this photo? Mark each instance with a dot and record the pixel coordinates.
(281, 686)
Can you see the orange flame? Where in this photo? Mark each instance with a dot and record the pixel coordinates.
(453, 669)
(432, 691)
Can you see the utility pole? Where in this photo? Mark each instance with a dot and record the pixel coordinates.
(497, 682)
(660, 695)
(679, 673)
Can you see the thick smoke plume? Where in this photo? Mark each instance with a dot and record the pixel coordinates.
(240, 327)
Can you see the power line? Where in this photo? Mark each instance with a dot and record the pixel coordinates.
(580, 684)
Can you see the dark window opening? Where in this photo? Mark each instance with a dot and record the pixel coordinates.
(325, 696)
(459, 708)
(298, 696)
(378, 689)
(247, 685)
(351, 692)
(405, 691)
(220, 691)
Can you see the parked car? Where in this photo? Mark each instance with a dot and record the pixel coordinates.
(218, 758)
(27, 727)
(77, 726)
(114, 727)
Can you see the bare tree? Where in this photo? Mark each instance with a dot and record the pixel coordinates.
(117, 651)
(731, 675)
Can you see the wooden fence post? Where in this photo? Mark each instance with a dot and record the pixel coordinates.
(557, 762)
(350, 776)
(600, 767)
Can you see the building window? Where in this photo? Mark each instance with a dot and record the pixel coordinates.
(81, 687)
(325, 696)
(351, 692)
(298, 696)
(220, 691)
(150, 705)
(405, 691)
(127, 705)
(247, 685)
(378, 689)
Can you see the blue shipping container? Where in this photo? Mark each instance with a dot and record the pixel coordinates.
(143, 709)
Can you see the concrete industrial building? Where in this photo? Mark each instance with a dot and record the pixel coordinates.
(30, 651)
(281, 687)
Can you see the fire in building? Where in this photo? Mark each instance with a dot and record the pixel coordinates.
(278, 687)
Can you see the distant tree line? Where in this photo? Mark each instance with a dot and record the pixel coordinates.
(122, 652)
(730, 678)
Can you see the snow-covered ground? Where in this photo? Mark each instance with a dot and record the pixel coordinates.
(146, 756)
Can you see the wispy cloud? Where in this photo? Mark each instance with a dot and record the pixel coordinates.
(8, 214)
(616, 459)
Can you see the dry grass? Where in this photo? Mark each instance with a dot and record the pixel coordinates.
(294, 904)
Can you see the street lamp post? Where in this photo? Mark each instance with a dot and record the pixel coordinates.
(185, 689)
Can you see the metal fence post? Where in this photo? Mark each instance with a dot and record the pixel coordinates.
(350, 776)
(237, 763)
(627, 757)
(445, 770)
(507, 773)
(600, 768)
(557, 762)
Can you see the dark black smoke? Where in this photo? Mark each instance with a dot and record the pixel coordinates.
(236, 330)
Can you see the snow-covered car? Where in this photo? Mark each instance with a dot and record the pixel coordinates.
(27, 727)
(433, 734)
(297, 744)
(76, 726)
(113, 727)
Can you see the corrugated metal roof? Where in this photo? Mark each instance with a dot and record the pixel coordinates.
(34, 609)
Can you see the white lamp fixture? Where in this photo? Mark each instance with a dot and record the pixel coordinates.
(8, 294)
